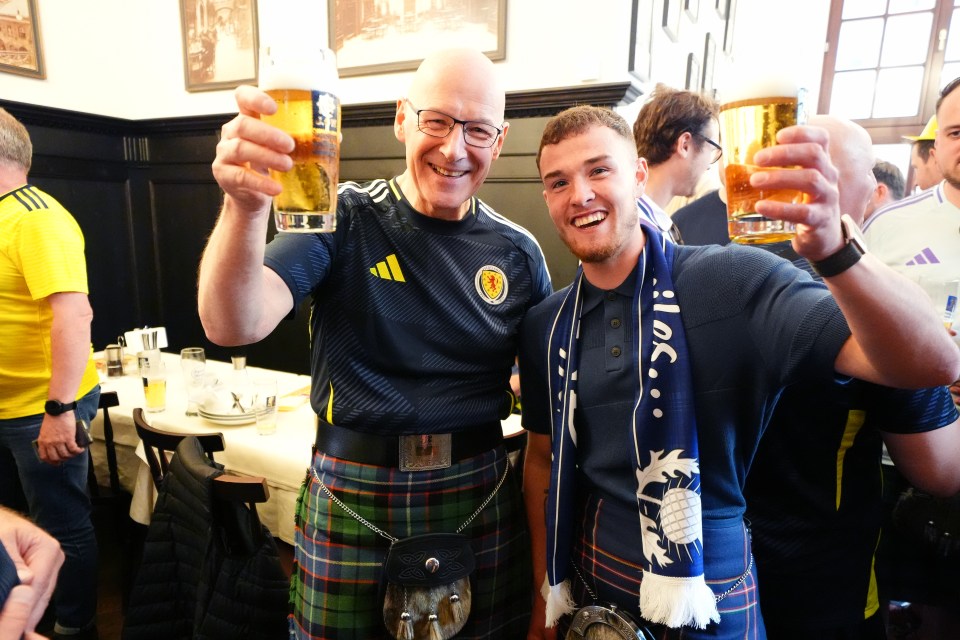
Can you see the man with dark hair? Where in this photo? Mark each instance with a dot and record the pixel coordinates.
(923, 160)
(676, 132)
(889, 189)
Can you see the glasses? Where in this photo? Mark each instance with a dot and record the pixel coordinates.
(717, 149)
(439, 125)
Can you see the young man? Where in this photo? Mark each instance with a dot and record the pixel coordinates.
(662, 362)
(677, 132)
(396, 360)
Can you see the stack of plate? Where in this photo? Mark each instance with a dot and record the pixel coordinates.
(228, 419)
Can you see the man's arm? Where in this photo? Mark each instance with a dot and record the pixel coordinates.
(897, 339)
(240, 301)
(536, 482)
(928, 460)
(70, 350)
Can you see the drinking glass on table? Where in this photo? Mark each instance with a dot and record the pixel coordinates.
(193, 362)
(265, 405)
(154, 377)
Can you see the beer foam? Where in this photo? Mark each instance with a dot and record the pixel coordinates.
(750, 86)
(298, 68)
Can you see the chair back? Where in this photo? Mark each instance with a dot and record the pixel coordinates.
(158, 445)
(108, 399)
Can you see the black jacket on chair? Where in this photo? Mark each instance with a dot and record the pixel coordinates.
(210, 569)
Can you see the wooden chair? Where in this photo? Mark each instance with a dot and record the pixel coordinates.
(158, 444)
(108, 399)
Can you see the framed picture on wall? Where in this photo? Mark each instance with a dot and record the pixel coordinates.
(671, 18)
(692, 7)
(709, 56)
(693, 73)
(397, 36)
(20, 50)
(728, 27)
(641, 39)
(220, 41)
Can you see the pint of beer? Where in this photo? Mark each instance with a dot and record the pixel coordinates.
(303, 81)
(747, 124)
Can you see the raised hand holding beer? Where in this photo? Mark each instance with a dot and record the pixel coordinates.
(301, 78)
(751, 115)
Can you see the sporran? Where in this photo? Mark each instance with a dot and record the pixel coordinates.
(426, 587)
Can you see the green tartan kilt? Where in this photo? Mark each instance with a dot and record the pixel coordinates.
(335, 590)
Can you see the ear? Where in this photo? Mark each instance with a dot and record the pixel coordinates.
(684, 144)
(498, 146)
(641, 176)
(398, 120)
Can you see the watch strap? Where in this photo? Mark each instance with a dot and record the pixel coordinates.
(57, 408)
(839, 261)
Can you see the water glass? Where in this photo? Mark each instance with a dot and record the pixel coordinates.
(193, 361)
(265, 405)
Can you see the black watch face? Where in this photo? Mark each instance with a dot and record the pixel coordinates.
(56, 408)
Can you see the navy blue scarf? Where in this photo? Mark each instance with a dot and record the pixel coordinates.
(673, 590)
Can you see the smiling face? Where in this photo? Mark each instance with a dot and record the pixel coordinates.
(591, 181)
(442, 174)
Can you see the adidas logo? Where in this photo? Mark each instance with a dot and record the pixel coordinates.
(927, 256)
(388, 269)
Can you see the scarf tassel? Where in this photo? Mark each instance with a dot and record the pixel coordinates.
(559, 601)
(677, 602)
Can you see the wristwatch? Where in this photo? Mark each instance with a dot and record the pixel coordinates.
(854, 246)
(56, 408)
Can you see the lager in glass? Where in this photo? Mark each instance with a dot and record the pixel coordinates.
(302, 79)
(748, 125)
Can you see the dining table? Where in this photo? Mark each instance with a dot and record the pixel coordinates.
(282, 458)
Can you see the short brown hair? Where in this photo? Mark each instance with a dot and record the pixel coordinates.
(666, 116)
(924, 147)
(575, 120)
(15, 145)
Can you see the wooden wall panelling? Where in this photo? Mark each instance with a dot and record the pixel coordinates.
(144, 195)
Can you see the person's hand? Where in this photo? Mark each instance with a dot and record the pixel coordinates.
(248, 148)
(38, 559)
(58, 438)
(804, 148)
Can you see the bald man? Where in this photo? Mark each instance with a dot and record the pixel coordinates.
(814, 491)
(416, 302)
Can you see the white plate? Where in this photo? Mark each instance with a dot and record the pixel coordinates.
(228, 418)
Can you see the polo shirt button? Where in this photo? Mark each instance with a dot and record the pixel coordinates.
(611, 296)
(615, 323)
(615, 352)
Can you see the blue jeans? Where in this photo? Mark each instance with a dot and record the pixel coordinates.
(58, 502)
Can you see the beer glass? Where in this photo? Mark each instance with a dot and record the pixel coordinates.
(302, 78)
(154, 386)
(748, 124)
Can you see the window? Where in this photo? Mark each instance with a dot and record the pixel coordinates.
(886, 62)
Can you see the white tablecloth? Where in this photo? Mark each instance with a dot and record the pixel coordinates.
(282, 458)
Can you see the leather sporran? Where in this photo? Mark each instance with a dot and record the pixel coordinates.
(427, 591)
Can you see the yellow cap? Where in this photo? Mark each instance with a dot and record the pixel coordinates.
(929, 132)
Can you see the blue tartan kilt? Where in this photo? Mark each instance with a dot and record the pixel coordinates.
(609, 556)
(335, 589)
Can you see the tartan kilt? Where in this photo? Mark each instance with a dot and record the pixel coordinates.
(606, 552)
(335, 590)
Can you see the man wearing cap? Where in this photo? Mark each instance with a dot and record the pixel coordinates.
(926, 172)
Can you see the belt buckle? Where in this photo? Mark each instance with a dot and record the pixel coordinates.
(605, 622)
(423, 452)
